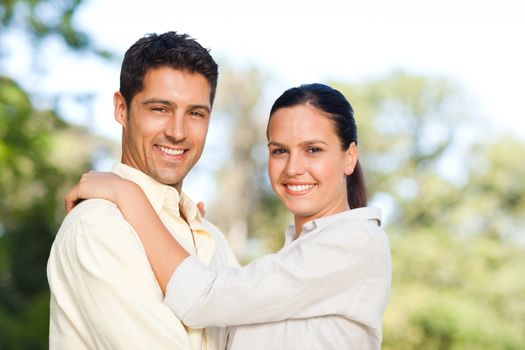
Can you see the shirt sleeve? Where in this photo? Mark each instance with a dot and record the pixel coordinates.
(322, 273)
(104, 294)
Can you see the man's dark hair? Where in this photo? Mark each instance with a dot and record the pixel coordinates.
(173, 50)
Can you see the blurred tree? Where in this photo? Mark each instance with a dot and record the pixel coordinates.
(34, 173)
(457, 241)
(494, 200)
(407, 125)
(43, 19)
(30, 188)
(457, 245)
(247, 209)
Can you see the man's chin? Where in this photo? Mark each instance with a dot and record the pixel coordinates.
(173, 180)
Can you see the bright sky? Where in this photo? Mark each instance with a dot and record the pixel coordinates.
(478, 44)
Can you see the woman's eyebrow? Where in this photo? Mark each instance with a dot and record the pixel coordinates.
(313, 142)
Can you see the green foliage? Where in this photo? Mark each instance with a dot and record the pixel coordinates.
(29, 329)
(252, 209)
(41, 19)
(35, 172)
(31, 188)
(457, 246)
(268, 222)
(455, 293)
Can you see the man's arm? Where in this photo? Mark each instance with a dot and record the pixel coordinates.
(104, 293)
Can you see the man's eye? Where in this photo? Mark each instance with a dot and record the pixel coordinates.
(278, 151)
(159, 109)
(197, 114)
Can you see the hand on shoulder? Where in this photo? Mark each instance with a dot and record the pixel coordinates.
(103, 185)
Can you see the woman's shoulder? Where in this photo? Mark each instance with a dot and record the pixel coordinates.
(366, 220)
(354, 229)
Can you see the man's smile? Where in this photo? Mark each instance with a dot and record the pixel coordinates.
(171, 151)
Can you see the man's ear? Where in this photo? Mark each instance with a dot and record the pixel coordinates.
(120, 109)
(351, 158)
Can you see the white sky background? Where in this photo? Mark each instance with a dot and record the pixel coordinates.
(478, 44)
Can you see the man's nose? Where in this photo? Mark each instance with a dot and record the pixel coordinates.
(176, 128)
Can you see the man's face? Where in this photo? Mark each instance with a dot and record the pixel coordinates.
(165, 126)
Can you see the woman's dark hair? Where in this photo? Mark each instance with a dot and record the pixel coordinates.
(340, 112)
(170, 49)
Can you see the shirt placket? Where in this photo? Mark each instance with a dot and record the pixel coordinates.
(204, 246)
(179, 227)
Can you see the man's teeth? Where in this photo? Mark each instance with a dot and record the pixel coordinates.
(298, 188)
(171, 151)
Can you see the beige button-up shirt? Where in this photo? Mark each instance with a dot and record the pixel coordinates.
(327, 289)
(103, 291)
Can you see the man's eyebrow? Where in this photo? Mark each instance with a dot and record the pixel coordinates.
(276, 144)
(205, 107)
(171, 104)
(157, 100)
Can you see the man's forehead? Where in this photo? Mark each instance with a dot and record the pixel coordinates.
(169, 85)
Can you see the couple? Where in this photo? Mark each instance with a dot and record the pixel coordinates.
(137, 267)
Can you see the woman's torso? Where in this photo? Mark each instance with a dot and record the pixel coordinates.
(356, 319)
(327, 332)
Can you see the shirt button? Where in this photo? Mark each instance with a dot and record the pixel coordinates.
(309, 226)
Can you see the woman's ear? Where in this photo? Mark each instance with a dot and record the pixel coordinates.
(120, 109)
(351, 158)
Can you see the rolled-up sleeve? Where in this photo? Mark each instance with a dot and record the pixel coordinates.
(322, 273)
(103, 292)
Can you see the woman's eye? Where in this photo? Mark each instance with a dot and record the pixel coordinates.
(314, 150)
(278, 151)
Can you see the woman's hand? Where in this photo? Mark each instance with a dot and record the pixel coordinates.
(201, 208)
(103, 185)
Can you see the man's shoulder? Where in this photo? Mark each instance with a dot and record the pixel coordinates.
(95, 230)
(92, 210)
(91, 218)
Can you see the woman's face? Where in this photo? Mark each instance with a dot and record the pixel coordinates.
(307, 166)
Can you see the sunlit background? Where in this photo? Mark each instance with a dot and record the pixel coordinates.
(438, 90)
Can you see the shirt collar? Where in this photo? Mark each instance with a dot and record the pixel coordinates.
(362, 214)
(162, 196)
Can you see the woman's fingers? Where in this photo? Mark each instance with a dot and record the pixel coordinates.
(72, 198)
(93, 184)
(201, 208)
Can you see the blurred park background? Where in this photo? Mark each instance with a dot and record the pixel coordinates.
(442, 141)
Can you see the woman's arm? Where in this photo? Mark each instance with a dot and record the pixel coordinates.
(342, 270)
(163, 251)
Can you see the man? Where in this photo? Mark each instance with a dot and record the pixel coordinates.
(103, 292)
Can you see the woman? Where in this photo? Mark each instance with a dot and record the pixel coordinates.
(327, 288)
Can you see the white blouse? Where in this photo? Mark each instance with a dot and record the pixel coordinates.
(328, 289)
